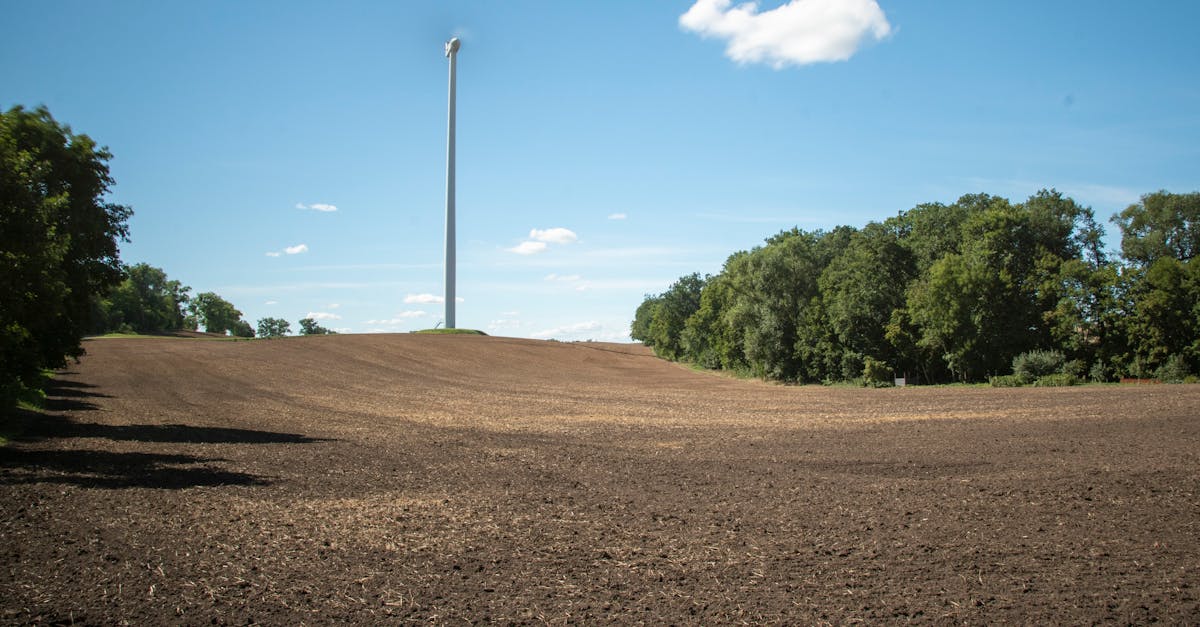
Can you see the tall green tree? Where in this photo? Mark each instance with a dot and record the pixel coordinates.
(675, 306)
(1161, 226)
(218, 315)
(862, 288)
(58, 242)
(273, 327)
(146, 302)
(309, 326)
(639, 329)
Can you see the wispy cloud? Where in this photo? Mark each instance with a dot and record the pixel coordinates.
(322, 315)
(290, 250)
(557, 235)
(317, 206)
(617, 216)
(540, 239)
(568, 278)
(428, 299)
(799, 32)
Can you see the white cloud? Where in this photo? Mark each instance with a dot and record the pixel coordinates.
(568, 278)
(317, 206)
(557, 235)
(799, 32)
(428, 299)
(569, 331)
(271, 302)
(334, 305)
(540, 239)
(290, 250)
(527, 248)
(617, 216)
(322, 315)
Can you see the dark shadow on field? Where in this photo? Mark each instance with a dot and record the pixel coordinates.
(61, 427)
(70, 396)
(107, 469)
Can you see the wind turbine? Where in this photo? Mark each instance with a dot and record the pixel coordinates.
(452, 54)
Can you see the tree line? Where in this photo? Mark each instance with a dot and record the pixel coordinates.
(956, 292)
(61, 276)
(147, 302)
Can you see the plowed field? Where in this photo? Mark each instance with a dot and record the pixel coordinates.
(385, 479)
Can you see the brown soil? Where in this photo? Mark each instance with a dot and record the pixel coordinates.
(383, 479)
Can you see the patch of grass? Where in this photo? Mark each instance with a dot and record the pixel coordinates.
(449, 332)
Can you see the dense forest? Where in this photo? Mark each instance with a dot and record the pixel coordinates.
(964, 292)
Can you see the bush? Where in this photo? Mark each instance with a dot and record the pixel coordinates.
(1173, 370)
(875, 372)
(1006, 381)
(1100, 373)
(1056, 380)
(1034, 365)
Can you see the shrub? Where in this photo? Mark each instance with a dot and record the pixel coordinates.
(1056, 380)
(1173, 370)
(1100, 373)
(875, 371)
(1033, 365)
(1006, 381)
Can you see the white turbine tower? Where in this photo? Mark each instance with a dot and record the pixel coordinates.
(451, 53)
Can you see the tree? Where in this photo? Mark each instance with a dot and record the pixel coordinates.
(58, 243)
(675, 306)
(217, 314)
(1162, 226)
(145, 302)
(273, 327)
(241, 328)
(309, 326)
(639, 329)
(862, 287)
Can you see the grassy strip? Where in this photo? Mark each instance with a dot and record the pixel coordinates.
(449, 332)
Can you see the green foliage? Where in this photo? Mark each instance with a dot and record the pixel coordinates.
(145, 302)
(58, 243)
(875, 371)
(308, 326)
(639, 329)
(273, 327)
(673, 309)
(219, 315)
(1174, 370)
(949, 293)
(1161, 226)
(1006, 381)
(1057, 380)
(1034, 365)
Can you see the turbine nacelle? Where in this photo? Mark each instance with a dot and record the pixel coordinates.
(452, 46)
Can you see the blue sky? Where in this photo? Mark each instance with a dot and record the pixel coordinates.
(619, 145)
